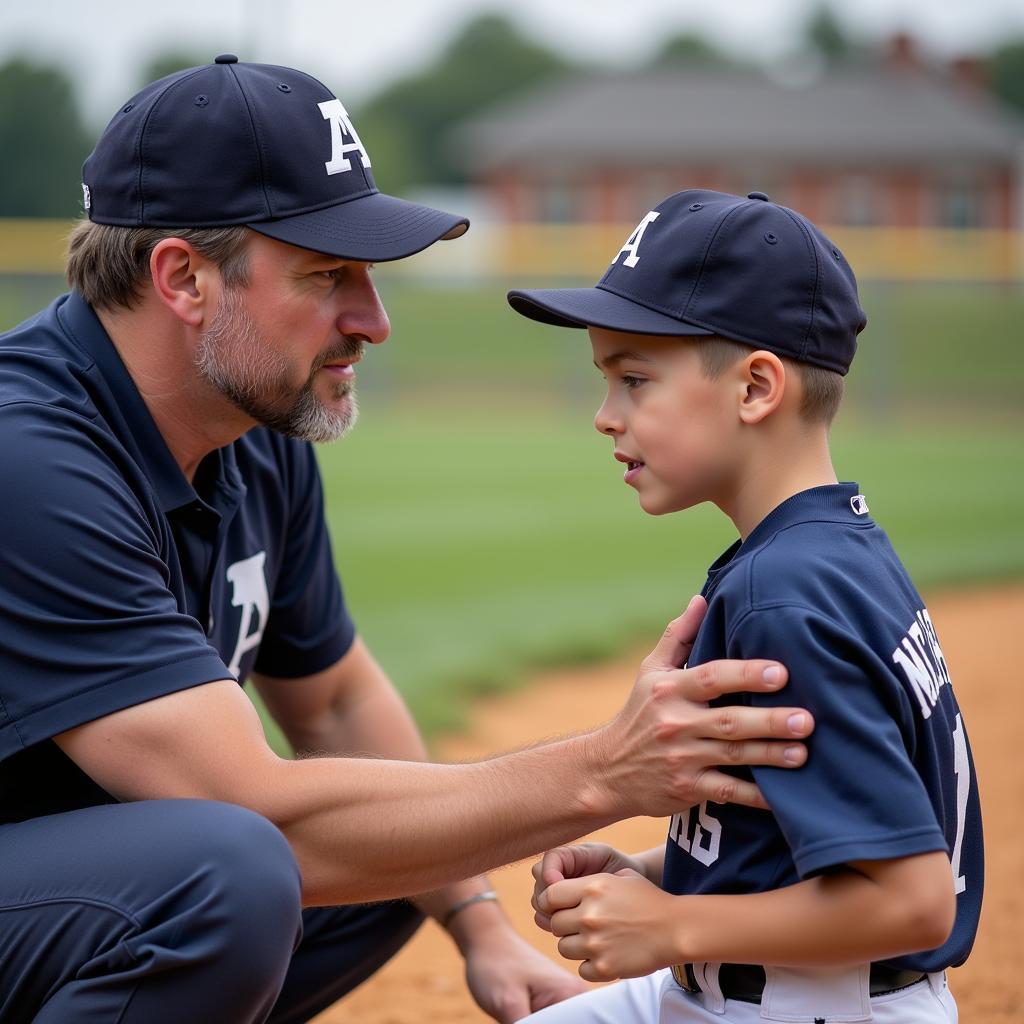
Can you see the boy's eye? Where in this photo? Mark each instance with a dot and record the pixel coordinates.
(631, 382)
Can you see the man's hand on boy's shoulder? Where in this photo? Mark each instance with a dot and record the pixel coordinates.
(666, 731)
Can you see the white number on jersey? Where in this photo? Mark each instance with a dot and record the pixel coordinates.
(962, 767)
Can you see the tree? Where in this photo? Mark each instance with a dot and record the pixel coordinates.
(406, 126)
(1006, 68)
(825, 36)
(43, 142)
(688, 49)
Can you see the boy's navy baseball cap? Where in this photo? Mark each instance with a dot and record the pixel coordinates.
(253, 144)
(709, 263)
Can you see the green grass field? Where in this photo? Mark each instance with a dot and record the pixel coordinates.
(482, 528)
(472, 551)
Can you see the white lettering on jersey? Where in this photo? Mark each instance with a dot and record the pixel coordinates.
(249, 592)
(633, 242)
(700, 837)
(920, 659)
(334, 112)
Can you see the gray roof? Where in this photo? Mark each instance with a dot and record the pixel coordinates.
(866, 116)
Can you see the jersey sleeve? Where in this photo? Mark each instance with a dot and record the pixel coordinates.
(89, 624)
(859, 796)
(309, 626)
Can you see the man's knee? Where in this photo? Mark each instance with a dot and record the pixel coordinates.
(191, 909)
(241, 889)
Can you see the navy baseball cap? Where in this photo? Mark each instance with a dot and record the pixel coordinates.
(709, 263)
(255, 144)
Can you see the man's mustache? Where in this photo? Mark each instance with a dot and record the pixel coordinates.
(348, 349)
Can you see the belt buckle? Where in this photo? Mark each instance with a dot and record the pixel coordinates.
(682, 973)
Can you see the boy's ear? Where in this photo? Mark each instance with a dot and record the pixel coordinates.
(764, 377)
(184, 280)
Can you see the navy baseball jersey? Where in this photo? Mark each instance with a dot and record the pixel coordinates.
(818, 587)
(121, 581)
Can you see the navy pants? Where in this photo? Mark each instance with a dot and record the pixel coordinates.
(173, 912)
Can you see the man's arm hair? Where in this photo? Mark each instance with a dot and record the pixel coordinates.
(365, 829)
(361, 828)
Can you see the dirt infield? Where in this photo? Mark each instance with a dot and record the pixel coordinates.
(977, 628)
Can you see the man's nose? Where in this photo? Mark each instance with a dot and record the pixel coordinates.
(363, 314)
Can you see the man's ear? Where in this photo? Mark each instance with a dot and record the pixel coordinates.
(184, 280)
(764, 376)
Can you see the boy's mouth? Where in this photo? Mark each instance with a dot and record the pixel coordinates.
(633, 466)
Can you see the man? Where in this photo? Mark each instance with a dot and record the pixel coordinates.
(165, 539)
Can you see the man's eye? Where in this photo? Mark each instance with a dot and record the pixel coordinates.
(338, 273)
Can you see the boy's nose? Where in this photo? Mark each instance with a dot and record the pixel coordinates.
(605, 422)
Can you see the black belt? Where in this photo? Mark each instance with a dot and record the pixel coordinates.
(745, 982)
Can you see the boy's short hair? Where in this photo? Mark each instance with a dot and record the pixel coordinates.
(109, 264)
(822, 389)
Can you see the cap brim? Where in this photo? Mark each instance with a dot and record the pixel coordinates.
(596, 307)
(371, 228)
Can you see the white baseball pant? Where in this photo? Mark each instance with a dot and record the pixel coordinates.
(791, 996)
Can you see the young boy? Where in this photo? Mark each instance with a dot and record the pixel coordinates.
(724, 327)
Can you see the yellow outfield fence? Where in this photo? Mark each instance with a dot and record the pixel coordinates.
(33, 246)
(889, 254)
(518, 250)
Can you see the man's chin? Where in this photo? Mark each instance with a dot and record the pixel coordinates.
(344, 428)
(326, 423)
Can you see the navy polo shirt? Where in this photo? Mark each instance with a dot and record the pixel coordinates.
(120, 581)
(818, 587)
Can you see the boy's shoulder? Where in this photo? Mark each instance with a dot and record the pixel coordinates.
(805, 561)
(797, 560)
(825, 554)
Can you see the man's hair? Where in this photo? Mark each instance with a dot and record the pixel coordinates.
(108, 264)
(822, 389)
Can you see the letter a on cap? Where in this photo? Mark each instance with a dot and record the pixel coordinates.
(334, 112)
(633, 242)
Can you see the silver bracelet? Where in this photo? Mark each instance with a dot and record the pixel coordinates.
(480, 897)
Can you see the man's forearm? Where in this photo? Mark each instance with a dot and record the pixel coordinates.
(374, 720)
(369, 829)
(370, 719)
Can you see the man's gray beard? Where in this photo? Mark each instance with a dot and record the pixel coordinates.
(234, 358)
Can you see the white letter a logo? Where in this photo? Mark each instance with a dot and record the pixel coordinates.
(334, 112)
(249, 592)
(633, 242)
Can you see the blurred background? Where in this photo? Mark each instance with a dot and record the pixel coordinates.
(480, 525)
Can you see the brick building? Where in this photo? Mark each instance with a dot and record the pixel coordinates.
(888, 145)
